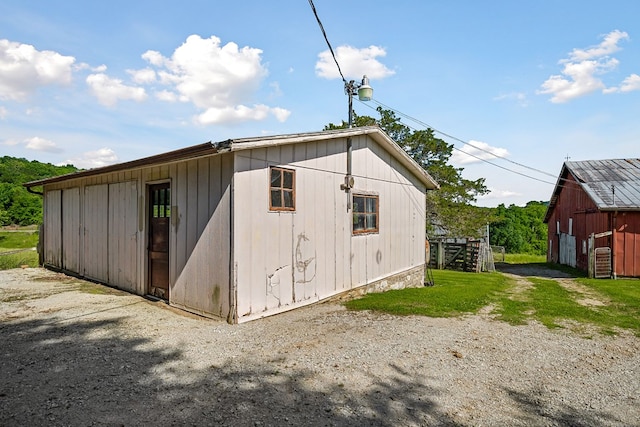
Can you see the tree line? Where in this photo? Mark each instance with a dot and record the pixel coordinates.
(17, 205)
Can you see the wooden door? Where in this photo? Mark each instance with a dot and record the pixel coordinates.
(159, 220)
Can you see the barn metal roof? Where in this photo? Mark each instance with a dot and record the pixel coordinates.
(613, 185)
(209, 148)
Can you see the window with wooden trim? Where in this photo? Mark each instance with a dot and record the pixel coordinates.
(282, 189)
(365, 214)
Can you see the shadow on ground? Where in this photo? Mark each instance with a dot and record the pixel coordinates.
(532, 269)
(91, 373)
(62, 374)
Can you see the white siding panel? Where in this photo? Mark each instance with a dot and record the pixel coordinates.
(71, 229)
(53, 228)
(96, 219)
(202, 192)
(242, 234)
(123, 235)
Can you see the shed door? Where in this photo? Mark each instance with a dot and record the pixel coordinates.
(159, 219)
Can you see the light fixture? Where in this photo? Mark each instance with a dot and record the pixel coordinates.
(362, 89)
(365, 92)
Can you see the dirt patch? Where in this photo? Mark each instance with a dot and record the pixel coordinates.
(70, 357)
(520, 272)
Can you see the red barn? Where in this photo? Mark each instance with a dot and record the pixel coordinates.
(593, 217)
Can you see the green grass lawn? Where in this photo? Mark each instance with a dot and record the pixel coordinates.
(545, 300)
(454, 293)
(15, 241)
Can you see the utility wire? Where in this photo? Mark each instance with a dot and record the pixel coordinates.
(462, 141)
(462, 151)
(315, 12)
(326, 38)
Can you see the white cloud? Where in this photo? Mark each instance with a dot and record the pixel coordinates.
(476, 151)
(608, 46)
(109, 91)
(10, 142)
(219, 79)
(40, 144)
(499, 194)
(354, 63)
(582, 70)
(240, 113)
(629, 84)
(144, 76)
(93, 159)
(23, 69)
(519, 97)
(165, 95)
(3, 113)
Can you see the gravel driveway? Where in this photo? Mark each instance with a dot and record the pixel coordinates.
(75, 353)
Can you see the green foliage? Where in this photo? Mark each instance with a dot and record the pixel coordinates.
(520, 229)
(17, 205)
(451, 209)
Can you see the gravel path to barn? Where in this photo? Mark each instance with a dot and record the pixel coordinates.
(74, 353)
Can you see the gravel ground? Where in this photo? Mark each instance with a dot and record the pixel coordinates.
(74, 353)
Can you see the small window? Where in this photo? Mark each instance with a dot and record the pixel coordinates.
(161, 202)
(282, 190)
(365, 214)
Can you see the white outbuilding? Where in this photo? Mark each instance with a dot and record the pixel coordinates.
(245, 228)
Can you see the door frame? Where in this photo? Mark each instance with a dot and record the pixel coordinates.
(148, 212)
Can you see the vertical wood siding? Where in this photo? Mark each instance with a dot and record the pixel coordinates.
(573, 204)
(288, 259)
(201, 192)
(52, 220)
(96, 232)
(97, 227)
(71, 229)
(122, 251)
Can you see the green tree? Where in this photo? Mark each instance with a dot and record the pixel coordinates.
(450, 208)
(520, 229)
(17, 205)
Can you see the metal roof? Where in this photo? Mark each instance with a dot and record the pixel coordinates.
(210, 148)
(613, 185)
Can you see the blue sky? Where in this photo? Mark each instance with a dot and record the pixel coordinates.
(94, 83)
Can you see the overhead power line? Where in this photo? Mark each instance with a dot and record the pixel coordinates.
(326, 38)
(462, 141)
(456, 148)
(315, 12)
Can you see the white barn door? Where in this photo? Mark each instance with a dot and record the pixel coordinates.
(123, 235)
(71, 229)
(96, 221)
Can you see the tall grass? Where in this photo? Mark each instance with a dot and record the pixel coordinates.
(27, 258)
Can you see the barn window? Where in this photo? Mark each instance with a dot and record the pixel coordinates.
(365, 214)
(161, 202)
(282, 189)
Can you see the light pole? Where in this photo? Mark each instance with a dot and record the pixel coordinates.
(365, 93)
